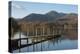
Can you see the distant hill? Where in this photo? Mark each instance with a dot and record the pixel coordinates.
(69, 18)
(52, 16)
(37, 17)
(55, 14)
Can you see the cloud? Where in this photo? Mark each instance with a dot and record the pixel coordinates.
(16, 6)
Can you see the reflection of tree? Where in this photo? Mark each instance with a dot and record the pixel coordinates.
(56, 40)
(50, 25)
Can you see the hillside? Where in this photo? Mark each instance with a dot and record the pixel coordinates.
(51, 16)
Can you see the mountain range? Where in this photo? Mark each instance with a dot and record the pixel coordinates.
(50, 17)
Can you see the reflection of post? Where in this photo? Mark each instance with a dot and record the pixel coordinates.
(27, 32)
(36, 31)
(43, 31)
(48, 44)
(57, 31)
(53, 30)
(27, 44)
(33, 48)
(41, 46)
(48, 31)
(63, 29)
(33, 31)
(20, 41)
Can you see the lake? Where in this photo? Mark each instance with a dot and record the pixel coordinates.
(61, 43)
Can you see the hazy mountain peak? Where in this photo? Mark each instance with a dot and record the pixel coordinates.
(51, 12)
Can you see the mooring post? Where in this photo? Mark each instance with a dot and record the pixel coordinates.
(27, 35)
(27, 44)
(20, 41)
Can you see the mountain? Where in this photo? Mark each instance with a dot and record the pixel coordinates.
(55, 14)
(37, 17)
(51, 16)
(69, 18)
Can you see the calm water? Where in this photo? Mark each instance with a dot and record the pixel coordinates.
(53, 44)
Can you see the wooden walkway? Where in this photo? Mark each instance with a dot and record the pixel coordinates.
(15, 47)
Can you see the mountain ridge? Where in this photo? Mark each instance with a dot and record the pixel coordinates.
(47, 17)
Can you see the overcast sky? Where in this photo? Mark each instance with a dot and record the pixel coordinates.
(21, 9)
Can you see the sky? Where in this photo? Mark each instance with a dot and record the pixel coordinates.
(21, 9)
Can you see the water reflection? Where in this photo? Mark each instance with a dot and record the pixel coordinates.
(59, 43)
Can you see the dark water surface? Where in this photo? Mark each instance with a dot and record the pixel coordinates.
(60, 43)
